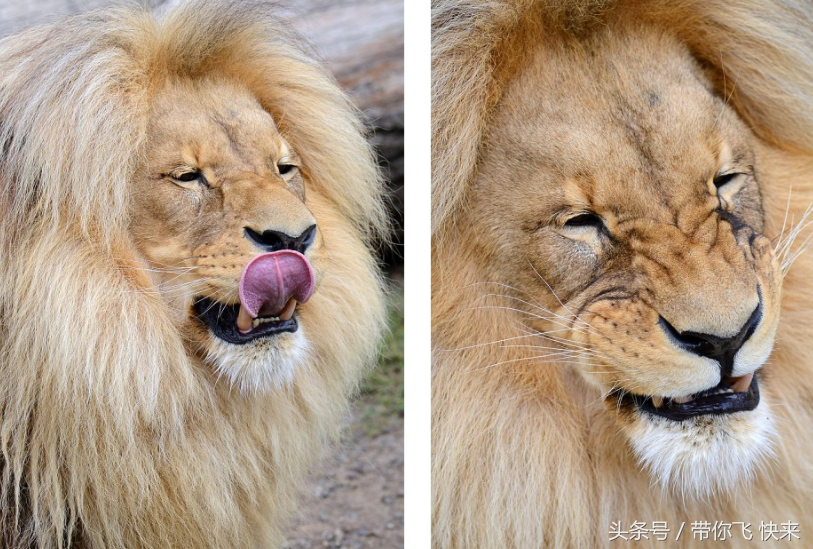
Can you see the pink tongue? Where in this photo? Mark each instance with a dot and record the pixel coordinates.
(270, 280)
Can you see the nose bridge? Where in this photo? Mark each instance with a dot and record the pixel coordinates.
(266, 205)
(701, 287)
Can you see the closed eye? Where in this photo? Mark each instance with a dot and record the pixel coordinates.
(189, 176)
(722, 180)
(192, 179)
(585, 219)
(287, 167)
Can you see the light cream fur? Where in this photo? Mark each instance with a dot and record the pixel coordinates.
(530, 448)
(120, 428)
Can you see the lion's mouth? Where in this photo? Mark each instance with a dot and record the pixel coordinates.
(271, 287)
(221, 319)
(732, 394)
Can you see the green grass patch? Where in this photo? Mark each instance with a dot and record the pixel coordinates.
(382, 392)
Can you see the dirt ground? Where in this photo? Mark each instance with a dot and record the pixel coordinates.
(356, 499)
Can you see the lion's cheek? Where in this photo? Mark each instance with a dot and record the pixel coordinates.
(630, 352)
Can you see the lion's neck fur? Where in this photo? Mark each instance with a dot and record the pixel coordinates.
(150, 440)
(526, 454)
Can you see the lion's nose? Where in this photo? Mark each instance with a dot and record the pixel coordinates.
(271, 241)
(721, 349)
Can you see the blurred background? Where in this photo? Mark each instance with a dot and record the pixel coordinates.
(355, 499)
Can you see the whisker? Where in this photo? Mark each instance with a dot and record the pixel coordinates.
(785, 220)
(570, 321)
(554, 294)
(563, 341)
(165, 290)
(553, 356)
(528, 313)
(495, 342)
(576, 352)
(785, 254)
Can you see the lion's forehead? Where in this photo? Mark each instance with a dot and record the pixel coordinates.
(618, 121)
(619, 162)
(216, 124)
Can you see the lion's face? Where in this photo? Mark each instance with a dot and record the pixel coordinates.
(616, 179)
(221, 188)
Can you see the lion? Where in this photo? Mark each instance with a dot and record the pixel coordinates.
(621, 302)
(189, 298)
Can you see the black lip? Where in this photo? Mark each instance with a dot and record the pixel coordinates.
(221, 319)
(703, 404)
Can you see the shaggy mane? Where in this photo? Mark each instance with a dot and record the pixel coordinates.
(106, 421)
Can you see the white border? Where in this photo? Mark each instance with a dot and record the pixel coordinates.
(417, 302)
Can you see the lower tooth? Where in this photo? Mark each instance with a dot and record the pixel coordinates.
(741, 384)
(241, 322)
(288, 311)
(682, 400)
(265, 320)
(244, 320)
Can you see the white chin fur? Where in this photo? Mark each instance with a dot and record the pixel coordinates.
(706, 456)
(264, 365)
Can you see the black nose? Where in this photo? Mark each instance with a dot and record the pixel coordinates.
(721, 349)
(272, 241)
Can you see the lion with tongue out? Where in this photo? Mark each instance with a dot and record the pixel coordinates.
(273, 283)
(192, 201)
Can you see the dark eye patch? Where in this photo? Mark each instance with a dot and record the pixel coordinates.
(586, 219)
(189, 176)
(724, 179)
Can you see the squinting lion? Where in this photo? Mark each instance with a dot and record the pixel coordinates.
(187, 294)
(619, 335)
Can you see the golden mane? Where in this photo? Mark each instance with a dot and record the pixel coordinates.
(111, 434)
(519, 457)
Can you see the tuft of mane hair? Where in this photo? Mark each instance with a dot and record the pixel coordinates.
(522, 460)
(112, 433)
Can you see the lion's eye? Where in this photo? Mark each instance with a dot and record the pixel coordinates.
(286, 169)
(187, 177)
(585, 219)
(721, 180)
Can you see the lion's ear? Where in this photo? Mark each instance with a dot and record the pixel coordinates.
(761, 52)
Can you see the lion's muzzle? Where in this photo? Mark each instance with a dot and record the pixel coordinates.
(733, 393)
